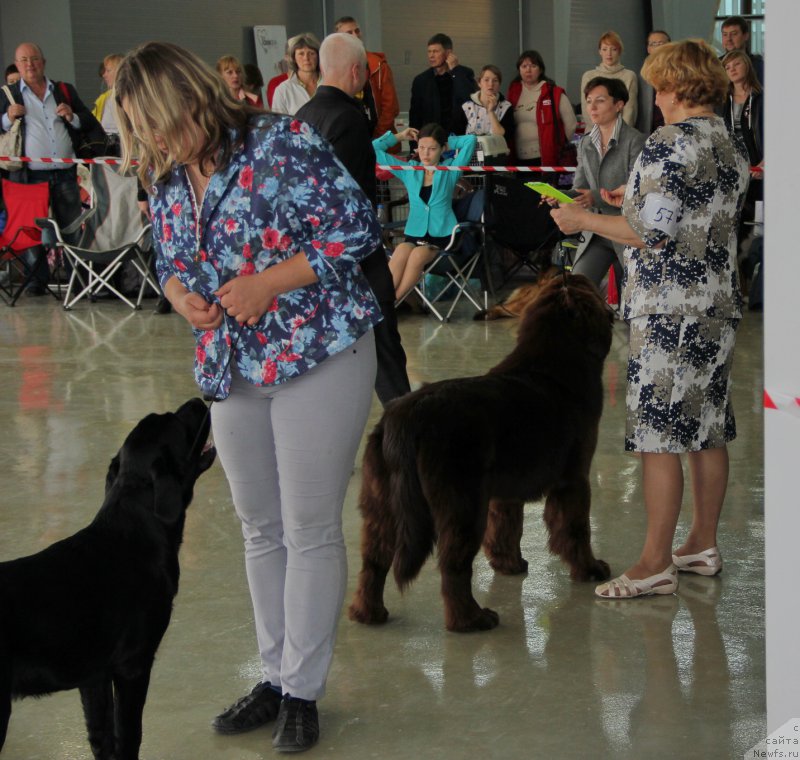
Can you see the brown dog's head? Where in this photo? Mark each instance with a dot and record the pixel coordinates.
(568, 311)
(166, 452)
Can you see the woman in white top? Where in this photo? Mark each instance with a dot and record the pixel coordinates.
(299, 88)
(487, 112)
(610, 49)
(544, 117)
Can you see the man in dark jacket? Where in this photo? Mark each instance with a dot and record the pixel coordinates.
(438, 93)
(341, 119)
(53, 116)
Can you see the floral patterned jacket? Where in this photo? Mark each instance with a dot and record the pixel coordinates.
(686, 189)
(283, 192)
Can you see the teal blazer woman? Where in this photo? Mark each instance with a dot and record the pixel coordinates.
(435, 218)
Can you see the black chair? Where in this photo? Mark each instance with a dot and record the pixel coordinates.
(458, 263)
(518, 224)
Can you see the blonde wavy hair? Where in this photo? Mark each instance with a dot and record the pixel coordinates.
(690, 70)
(165, 94)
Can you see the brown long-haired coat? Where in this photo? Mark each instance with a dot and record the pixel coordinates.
(452, 463)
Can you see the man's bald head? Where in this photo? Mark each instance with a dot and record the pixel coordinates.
(343, 62)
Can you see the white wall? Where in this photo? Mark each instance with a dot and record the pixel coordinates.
(45, 22)
(781, 373)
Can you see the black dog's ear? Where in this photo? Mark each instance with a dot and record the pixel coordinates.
(167, 491)
(113, 471)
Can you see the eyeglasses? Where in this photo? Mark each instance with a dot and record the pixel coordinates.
(656, 44)
(25, 59)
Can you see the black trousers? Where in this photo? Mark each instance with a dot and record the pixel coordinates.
(391, 379)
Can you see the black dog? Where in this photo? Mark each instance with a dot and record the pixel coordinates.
(89, 611)
(453, 462)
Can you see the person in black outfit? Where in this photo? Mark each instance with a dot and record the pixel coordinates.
(438, 93)
(343, 121)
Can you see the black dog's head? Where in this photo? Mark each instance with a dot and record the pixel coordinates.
(168, 451)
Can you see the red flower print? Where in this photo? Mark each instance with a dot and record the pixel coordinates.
(231, 225)
(317, 244)
(180, 265)
(201, 355)
(295, 126)
(270, 237)
(248, 268)
(203, 255)
(206, 337)
(289, 356)
(167, 232)
(247, 251)
(177, 208)
(261, 338)
(313, 219)
(246, 178)
(274, 305)
(286, 241)
(334, 249)
(270, 372)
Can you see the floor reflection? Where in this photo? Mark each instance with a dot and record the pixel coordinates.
(564, 675)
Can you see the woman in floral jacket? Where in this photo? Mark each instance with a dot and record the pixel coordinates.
(259, 232)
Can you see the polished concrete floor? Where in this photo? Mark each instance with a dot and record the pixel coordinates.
(563, 676)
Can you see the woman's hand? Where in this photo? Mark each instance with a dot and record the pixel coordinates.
(583, 197)
(409, 133)
(570, 218)
(198, 312)
(247, 298)
(613, 197)
(491, 102)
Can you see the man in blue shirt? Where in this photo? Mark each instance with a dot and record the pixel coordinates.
(51, 117)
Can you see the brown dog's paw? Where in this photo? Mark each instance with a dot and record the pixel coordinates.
(597, 570)
(361, 614)
(509, 565)
(485, 620)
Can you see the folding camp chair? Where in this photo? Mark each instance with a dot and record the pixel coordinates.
(517, 223)
(24, 204)
(457, 263)
(114, 236)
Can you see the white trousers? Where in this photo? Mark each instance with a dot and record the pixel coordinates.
(288, 453)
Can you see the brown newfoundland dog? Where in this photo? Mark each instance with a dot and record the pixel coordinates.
(453, 463)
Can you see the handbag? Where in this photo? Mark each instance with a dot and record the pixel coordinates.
(11, 141)
(91, 140)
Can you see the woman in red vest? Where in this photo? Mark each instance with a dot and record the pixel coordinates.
(543, 114)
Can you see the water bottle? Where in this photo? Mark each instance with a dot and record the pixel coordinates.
(381, 213)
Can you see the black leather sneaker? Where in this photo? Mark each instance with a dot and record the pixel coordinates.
(297, 728)
(254, 710)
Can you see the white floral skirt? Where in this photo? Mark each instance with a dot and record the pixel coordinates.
(678, 395)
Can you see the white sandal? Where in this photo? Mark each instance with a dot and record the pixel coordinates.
(628, 588)
(708, 562)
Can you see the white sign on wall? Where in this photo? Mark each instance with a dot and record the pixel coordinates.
(270, 47)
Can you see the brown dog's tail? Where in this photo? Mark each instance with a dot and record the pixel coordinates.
(415, 530)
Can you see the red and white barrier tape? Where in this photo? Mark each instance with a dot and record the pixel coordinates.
(27, 160)
(754, 170)
(471, 169)
(782, 402)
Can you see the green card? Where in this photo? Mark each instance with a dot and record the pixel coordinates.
(543, 188)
